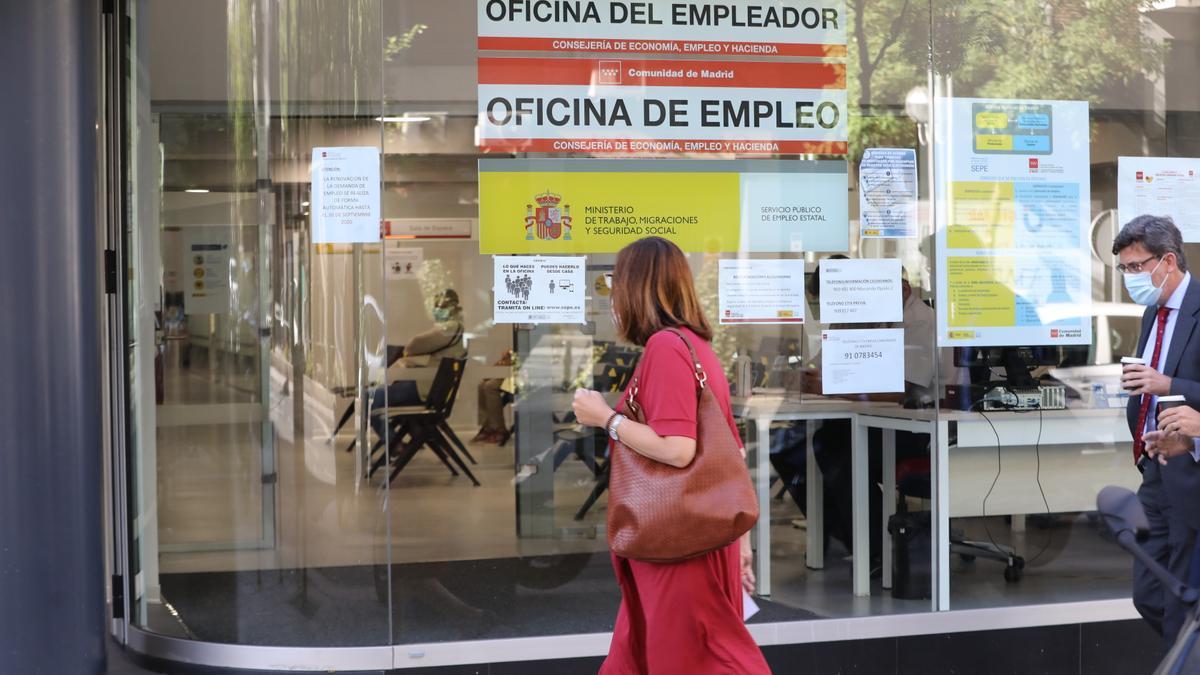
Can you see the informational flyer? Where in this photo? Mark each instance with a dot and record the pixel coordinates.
(861, 290)
(643, 107)
(345, 195)
(1014, 263)
(599, 205)
(754, 291)
(862, 361)
(403, 263)
(1160, 186)
(887, 193)
(206, 257)
(760, 28)
(536, 289)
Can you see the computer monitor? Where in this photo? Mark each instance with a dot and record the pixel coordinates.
(1016, 361)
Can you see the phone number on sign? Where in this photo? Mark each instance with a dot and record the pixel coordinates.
(859, 356)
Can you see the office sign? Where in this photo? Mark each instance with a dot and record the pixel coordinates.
(657, 107)
(732, 27)
(1160, 186)
(427, 228)
(345, 195)
(207, 253)
(553, 206)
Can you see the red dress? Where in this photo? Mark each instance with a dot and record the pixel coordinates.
(683, 617)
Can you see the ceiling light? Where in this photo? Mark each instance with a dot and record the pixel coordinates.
(198, 191)
(398, 119)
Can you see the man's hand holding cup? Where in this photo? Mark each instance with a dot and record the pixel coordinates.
(1178, 427)
(1137, 378)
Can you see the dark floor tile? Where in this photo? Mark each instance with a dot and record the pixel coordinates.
(585, 666)
(858, 657)
(476, 669)
(1120, 647)
(1048, 650)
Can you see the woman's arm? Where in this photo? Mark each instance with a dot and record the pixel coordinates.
(592, 410)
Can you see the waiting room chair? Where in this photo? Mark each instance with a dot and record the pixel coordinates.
(426, 425)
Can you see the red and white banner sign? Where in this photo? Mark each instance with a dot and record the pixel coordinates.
(643, 106)
(723, 28)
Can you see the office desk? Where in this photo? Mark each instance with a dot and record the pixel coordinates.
(1085, 450)
(764, 410)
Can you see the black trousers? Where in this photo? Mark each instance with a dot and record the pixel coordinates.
(1172, 542)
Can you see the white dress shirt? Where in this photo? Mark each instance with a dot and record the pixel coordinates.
(1173, 303)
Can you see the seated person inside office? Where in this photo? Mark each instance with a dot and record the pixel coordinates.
(410, 376)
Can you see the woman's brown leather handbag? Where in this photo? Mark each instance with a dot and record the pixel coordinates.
(660, 513)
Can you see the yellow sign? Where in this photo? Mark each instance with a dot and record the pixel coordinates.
(981, 291)
(552, 212)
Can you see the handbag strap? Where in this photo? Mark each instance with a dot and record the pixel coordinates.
(701, 376)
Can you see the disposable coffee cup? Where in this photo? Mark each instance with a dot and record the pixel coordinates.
(1127, 361)
(1168, 402)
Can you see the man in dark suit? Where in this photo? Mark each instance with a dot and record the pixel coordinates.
(1150, 253)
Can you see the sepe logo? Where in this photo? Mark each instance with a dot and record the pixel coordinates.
(609, 72)
(1033, 164)
(550, 220)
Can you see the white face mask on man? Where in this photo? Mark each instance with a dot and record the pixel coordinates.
(1141, 286)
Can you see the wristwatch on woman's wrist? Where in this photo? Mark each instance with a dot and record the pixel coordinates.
(612, 426)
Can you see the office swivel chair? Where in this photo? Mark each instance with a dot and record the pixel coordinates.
(913, 480)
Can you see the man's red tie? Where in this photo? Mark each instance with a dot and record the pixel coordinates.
(1139, 446)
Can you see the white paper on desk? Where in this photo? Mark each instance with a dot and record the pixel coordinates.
(863, 290)
(862, 361)
(749, 607)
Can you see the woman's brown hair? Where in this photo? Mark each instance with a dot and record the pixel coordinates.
(653, 290)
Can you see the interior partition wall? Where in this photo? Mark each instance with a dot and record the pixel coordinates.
(279, 507)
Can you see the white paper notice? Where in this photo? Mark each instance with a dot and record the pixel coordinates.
(1160, 186)
(862, 361)
(749, 606)
(887, 193)
(761, 291)
(403, 263)
(535, 289)
(861, 291)
(206, 253)
(345, 195)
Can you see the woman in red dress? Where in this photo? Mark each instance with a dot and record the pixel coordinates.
(683, 617)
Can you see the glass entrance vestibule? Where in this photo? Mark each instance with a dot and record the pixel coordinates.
(899, 219)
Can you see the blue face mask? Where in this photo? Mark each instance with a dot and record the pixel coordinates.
(1141, 287)
(441, 314)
